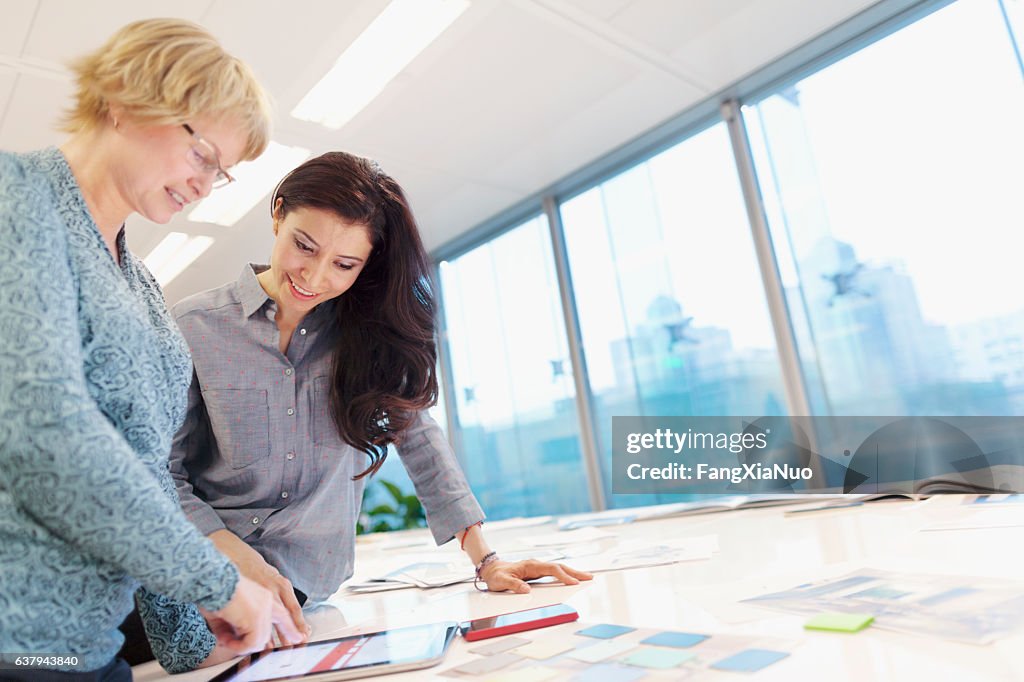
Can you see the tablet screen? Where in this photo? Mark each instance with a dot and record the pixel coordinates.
(372, 653)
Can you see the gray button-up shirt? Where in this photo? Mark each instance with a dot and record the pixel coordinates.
(259, 453)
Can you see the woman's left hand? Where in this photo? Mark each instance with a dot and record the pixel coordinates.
(501, 576)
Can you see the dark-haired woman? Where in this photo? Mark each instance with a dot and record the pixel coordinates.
(306, 367)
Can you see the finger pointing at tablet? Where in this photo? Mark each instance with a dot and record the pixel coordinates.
(284, 624)
(252, 565)
(245, 622)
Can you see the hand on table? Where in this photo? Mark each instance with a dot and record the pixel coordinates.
(512, 575)
(254, 567)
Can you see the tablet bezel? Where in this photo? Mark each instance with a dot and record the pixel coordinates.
(448, 628)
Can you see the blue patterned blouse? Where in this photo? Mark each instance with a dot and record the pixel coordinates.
(94, 379)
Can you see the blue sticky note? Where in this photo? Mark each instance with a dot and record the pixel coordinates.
(609, 672)
(679, 640)
(750, 660)
(604, 631)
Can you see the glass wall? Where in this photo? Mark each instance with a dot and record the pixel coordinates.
(889, 180)
(511, 376)
(671, 308)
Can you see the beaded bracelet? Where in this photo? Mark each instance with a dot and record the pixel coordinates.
(489, 558)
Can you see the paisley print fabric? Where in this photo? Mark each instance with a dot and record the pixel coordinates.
(94, 379)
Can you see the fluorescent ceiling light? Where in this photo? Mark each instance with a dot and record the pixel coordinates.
(253, 181)
(387, 46)
(164, 250)
(174, 253)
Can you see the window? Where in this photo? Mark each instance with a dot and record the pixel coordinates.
(889, 181)
(512, 379)
(671, 307)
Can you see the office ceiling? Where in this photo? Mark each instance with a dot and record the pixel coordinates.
(512, 97)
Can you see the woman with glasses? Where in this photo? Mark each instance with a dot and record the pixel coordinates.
(94, 374)
(306, 369)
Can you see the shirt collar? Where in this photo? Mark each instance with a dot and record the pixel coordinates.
(250, 293)
(252, 296)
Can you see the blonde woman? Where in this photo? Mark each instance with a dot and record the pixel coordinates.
(94, 374)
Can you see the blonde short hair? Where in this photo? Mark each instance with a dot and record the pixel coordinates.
(168, 71)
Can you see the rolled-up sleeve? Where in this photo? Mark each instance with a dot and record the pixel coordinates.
(177, 632)
(437, 476)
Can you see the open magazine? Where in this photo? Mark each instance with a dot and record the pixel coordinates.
(982, 480)
(989, 480)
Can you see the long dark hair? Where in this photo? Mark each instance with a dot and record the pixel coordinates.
(382, 328)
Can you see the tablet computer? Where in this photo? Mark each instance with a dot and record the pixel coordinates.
(346, 658)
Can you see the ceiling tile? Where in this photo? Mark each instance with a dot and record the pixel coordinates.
(510, 80)
(667, 24)
(290, 50)
(8, 80)
(33, 113)
(762, 31)
(65, 29)
(14, 28)
(602, 9)
(607, 123)
(468, 205)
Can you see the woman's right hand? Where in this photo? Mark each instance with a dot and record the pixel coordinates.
(253, 566)
(244, 624)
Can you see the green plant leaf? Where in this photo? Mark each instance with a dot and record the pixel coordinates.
(413, 507)
(395, 491)
(405, 512)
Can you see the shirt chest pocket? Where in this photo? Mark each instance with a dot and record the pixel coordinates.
(240, 419)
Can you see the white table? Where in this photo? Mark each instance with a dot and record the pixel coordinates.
(761, 550)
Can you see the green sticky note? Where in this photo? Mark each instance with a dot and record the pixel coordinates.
(840, 622)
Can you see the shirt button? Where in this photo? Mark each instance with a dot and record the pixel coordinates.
(291, 455)
(284, 495)
(288, 372)
(302, 332)
(290, 411)
(255, 520)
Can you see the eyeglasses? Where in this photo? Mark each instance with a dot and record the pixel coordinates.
(204, 157)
